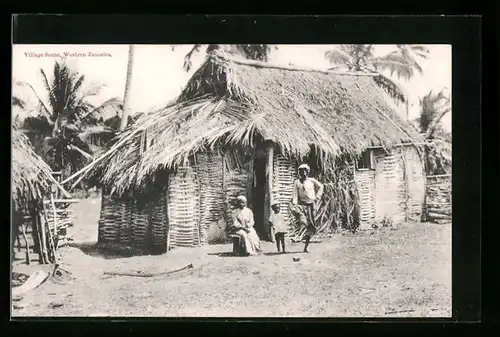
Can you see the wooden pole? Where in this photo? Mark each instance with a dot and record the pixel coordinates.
(167, 218)
(269, 187)
(44, 238)
(54, 212)
(36, 235)
(406, 178)
(25, 237)
(54, 233)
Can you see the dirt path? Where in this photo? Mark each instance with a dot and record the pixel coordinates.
(403, 272)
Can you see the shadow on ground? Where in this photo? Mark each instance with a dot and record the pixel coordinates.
(108, 252)
(231, 254)
(225, 254)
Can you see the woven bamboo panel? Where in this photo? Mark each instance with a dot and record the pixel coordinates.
(365, 181)
(284, 175)
(390, 198)
(184, 208)
(438, 203)
(111, 221)
(159, 223)
(235, 184)
(416, 184)
(139, 222)
(212, 203)
(123, 222)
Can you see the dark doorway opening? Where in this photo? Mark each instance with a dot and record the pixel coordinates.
(259, 195)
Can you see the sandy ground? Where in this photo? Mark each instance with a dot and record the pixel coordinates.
(398, 272)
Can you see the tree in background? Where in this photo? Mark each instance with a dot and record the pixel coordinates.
(126, 95)
(64, 124)
(438, 148)
(259, 52)
(401, 62)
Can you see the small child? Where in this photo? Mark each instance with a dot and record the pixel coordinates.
(277, 223)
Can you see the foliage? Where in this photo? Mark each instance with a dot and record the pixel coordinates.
(402, 62)
(340, 203)
(65, 122)
(433, 108)
(438, 142)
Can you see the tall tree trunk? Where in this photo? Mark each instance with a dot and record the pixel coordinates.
(126, 95)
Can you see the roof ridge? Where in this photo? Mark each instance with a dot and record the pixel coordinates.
(261, 64)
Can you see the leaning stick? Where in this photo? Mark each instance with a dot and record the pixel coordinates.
(189, 266)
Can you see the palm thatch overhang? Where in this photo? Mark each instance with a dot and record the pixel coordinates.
(230, 103)
(31, 176)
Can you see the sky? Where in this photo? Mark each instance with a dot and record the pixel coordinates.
(158, 75)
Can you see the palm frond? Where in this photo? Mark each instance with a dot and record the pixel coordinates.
(16, 101)
(77, 86)
(395, 64)
(389, 86)
(187, 59)
(339, 57)
(44, 109)
(112, 102)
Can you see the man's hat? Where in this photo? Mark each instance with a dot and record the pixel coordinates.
(305, 167)
(242, 199)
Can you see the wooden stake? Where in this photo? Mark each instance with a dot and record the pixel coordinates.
(269, 187)
(167, 219)
(44, 238)
(25, 237)
(54, 212)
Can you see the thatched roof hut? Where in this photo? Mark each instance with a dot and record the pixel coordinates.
(31, 176)
(230, 105)
(232, 102)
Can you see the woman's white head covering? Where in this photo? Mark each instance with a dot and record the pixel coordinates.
(242, 199)
(305, 167)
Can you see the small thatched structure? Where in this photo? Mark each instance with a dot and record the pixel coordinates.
(31, 176)
(241, 127)
(32, 180)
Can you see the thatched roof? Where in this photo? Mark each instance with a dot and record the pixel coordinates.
(31, 176)
(230, 101)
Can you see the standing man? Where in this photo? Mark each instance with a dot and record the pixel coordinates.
(307, 192)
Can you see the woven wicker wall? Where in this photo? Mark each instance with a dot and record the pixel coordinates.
(284, 174)
(113, 220)
(184, 208)
(159, 223)
(438, 198)
(139, 221)
(209, 171)
(365, 181)
(390, 187)
(416, 184)
(126, 223)
(235, 184)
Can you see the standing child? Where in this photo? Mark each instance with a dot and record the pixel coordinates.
(277, 223)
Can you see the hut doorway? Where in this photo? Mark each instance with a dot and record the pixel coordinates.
(259, 196)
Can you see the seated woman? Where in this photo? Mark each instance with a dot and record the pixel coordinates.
(242, 228)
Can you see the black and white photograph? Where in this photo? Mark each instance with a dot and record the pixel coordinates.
(231, 180)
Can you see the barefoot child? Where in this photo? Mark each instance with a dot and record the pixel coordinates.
(277, 223)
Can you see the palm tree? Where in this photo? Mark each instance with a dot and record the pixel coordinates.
(126, 95)
(65, 120)
(433, 108)
(401, 62)
(258, 52)
(438, 142)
